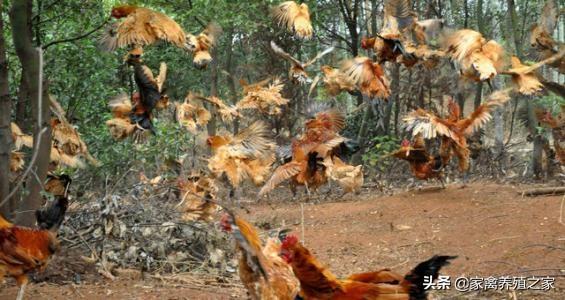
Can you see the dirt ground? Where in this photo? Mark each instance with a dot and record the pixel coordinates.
(494, 231)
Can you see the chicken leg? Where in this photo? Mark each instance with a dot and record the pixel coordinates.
(22, 282)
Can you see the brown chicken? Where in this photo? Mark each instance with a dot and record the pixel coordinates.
(308, 153)
(318, 282)
(202, 44)
(423, 165)
(557, 125)
(226, 112)
(248, 155)
(368, 76)
(195, 190)
(261, 270)
(191, 114)
(24, 250)
(454, 130)
(295, 17)
(141, 27)
(395, 41)
(297, 72)
(19, 139)
(541, 35)
(349, 178)
(336, 82)
(476, 58)
(57, 185)
(267, 100)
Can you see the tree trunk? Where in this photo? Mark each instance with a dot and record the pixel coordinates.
(213, 93)
(5, 132)
(231, 78)
(29, 58)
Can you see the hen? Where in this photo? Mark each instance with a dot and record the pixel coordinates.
(318, 282)
(201, 45)
(541, 35)
(368, 76)
(263, 273)
(191, 114)
(141, 27)
(267, 100)
(24, 250)
(195, 189)
(297, 72)
(349, 178)
(295, 17)
(454, 130)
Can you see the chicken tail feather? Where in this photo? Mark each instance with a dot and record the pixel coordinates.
(426, 269)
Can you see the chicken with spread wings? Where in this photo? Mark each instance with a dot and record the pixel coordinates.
(202, 44)
(24, 250)
(368, 76)
(297, 72)
(247, 155)
(195, 189)
(454, 130)
(541, 35)
(318, 282)
(140, 27)
(307, 166)
(336, 82)
(262, 271)
(295, 17)
(423, 165)
(191, 114)
(265, 99)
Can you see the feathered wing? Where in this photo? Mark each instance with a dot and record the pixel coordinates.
(526, 81)
(482, 114)
(227, 113)
(319, 56)
(267, 100)
(120, 106)
(397, 16)
(160, 80)
(295, 17)
(248, 240)
(428, 125)
(143, 27)
(368, 76)
(280, 52)
(335, 81)
(460, 44)
(541, 33)
(332, 119)
(252, 142)
(19, 138)
(16, 161)
(205, 41)
(281, 174)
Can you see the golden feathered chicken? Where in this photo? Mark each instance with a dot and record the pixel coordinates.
(140, 27)
(368, 76)
(267, 100)
(249, 154)
(195, 190)
(295, 17)
(525, 78)
(557, 125)
(307, 166)
(191, 114)
(336, 82)
(541, 35)
(454, 129)
(476, 58)
(226, 112)
(297, 72)
(349, 178)
(19, 139)
(403, 38)
(16, 161)
(120, 125)
(422, 164)
(67, 147)
(201, 45)
(261, 270)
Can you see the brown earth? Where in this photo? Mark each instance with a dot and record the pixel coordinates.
(492, 229)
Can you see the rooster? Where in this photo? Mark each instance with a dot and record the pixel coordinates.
(297, 72)
(394, 42)
(151, 95)
(141, 27)
(454, 130)
(318, 282)
(541, 35)
(262, 271)
(267, 100)
(369, 77)
(295, 17)
(557, 125)
(201, 45)
(194, 191)
(307, 166)
(24, 250)
(191, 114)
(423, 165)
(249, 154)
(476, 58)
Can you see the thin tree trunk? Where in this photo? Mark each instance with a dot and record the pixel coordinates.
(22, 106)
(231, 78)
(213, 93)
(29, 58)
(5, 132)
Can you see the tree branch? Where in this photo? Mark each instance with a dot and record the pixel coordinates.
(76, 38)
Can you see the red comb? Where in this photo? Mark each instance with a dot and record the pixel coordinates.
(289, 241)
(405, 143)
(225, 223)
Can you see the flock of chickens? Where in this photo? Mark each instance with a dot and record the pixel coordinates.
(283, 268)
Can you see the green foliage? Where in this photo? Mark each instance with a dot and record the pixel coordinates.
(377, 155)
